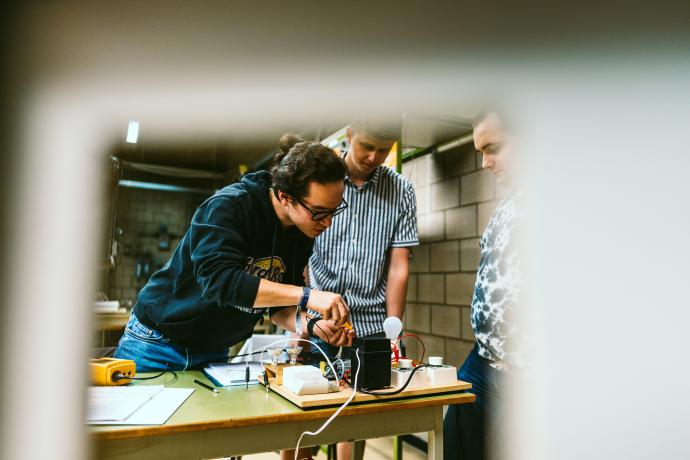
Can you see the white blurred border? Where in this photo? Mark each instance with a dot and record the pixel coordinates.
(606, 146)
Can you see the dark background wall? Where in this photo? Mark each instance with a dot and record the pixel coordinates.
(140, 215)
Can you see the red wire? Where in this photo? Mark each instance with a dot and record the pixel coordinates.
(420, 341)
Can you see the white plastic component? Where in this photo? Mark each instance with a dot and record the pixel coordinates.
(400, 376)
(309, 387)
(392, 327)
(305, 380)
(436, 360)
(404, 363)
(442, 375)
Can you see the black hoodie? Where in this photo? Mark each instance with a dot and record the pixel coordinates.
(202, 298)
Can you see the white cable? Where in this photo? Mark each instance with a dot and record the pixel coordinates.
(262, 349)
(335, 414)
(330, 364)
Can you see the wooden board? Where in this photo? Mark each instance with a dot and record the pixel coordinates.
(275, 371)
(332, 399)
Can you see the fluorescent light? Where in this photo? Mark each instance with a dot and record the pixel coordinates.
(133, 132)
(161, 187)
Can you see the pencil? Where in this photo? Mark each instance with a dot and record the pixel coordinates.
(208, 387)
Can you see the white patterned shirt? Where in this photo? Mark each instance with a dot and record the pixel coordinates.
(497, 289)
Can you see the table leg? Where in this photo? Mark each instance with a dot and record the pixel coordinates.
(435, 449)
(397, 447)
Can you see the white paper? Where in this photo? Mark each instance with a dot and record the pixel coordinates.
(157, 410)
(227, 374)
(117, 402)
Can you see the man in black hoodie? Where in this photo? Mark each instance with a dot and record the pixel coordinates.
(245, 252)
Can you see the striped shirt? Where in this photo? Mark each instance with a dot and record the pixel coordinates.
(351, 256)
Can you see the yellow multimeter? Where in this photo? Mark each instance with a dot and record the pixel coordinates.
(111, 371)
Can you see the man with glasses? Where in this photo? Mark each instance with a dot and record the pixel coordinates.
(320, 214)
(365, 253)
(244, 254)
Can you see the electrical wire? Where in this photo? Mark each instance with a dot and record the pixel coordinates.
(174, 379)
(335, 374)
(117, 377)
(420, 341)
(342, 366)
(394, 392)
(265, 347)
(339, 364)
(256, 352)
(310, 317)
(260, 351)
(336, 413)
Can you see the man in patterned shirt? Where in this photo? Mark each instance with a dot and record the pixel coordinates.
(471, 431)
(365, 253)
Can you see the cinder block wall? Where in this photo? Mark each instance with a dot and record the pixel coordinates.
(455, 199)
(140, 213)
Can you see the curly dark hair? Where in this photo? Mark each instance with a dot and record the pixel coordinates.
(301, 162)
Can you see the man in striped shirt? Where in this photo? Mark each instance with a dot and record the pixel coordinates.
(365, 253)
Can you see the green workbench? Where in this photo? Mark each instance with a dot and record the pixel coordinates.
(239, 421)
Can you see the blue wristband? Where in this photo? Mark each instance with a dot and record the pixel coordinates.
(304, 300)
(298, 322)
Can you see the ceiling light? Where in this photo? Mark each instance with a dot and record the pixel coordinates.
(133, 132)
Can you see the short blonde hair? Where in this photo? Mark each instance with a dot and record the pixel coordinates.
(378, 128)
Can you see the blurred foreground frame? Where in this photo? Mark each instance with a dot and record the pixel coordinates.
(78, 71)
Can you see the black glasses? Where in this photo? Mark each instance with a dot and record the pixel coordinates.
(318, 215)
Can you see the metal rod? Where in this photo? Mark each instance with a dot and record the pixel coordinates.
(466, 139)
(173, 171)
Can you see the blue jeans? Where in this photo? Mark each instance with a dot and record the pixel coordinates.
(471, 430)
(152, 351)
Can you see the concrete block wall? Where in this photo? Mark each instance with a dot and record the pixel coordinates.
(140, 213)
(455, 198)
